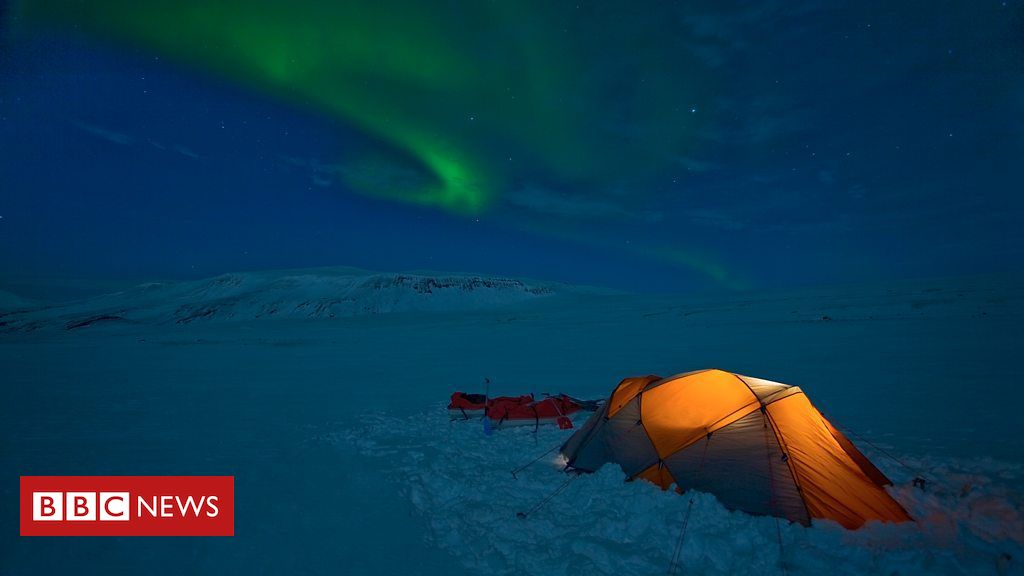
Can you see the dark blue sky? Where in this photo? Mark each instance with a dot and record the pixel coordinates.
(737, 147)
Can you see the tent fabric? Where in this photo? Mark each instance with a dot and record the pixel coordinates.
(587, 444)
(739, 468)
(627, 390)
(834, 486)
(758, 446)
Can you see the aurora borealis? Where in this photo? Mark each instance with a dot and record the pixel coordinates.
(722, 146)
(429, 83)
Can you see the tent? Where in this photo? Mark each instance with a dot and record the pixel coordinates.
(758, 446)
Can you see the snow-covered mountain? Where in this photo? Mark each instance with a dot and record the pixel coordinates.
(314, 293)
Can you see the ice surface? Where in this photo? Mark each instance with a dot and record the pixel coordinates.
(345, 461)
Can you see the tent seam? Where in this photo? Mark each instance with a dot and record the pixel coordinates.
(789, 464)
(744, 382)
(685, 446)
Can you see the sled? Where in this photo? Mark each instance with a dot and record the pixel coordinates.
(525, 410)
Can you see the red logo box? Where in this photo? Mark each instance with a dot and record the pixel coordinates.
(127, 505)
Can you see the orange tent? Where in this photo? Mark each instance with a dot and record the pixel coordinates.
(758, 446)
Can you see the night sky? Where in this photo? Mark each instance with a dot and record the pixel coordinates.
(643, 146)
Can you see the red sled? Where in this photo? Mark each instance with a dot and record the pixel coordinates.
(465, 406)
(517, 410)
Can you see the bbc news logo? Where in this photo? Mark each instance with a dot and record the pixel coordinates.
(115, 506)
(127, 505)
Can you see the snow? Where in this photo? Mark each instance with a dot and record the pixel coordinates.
(469, 501)
(345, 460)
(603, 525)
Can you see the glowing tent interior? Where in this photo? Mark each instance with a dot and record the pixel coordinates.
(758, 446)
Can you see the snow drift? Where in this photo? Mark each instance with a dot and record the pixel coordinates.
(968, 522)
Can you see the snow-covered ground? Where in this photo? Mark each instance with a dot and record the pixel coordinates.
(345, 460)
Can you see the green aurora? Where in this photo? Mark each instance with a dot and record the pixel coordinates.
(463, 103)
